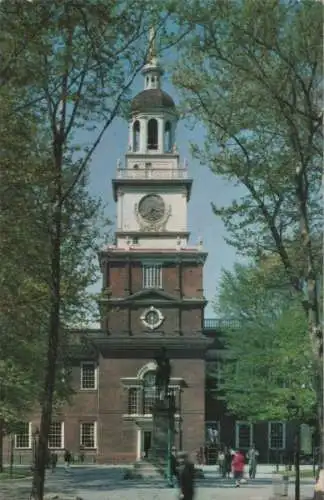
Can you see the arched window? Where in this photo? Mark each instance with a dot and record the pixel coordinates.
(152, 133)
(167, 137)
(136, 136)
(149, 392)
(132, 406)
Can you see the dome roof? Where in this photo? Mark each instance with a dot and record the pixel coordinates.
(152, 99)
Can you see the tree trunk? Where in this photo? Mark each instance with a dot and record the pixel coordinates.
(12, 457)
(49, 385)
(316, 338)
(1, 445)
(37, 492)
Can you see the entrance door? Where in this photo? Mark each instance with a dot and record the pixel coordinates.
(147, 442)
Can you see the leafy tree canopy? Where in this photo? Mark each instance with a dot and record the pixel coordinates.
(268, 359)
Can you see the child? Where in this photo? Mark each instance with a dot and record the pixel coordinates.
(238, 463)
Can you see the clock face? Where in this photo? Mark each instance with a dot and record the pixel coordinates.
(151, 207)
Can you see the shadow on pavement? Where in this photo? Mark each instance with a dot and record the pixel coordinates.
(112, 479)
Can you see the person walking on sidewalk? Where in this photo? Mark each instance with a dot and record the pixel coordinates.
(252, 456)
(221, 462)
(174, 466)
(238, 463)
(186, 477)
(228, 462)
(67, 458)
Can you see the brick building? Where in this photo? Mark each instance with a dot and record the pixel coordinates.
(152, 296)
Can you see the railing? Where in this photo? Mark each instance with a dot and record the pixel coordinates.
(220, 324)
(152, 173)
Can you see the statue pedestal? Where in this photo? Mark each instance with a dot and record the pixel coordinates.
(163, 432)
(158, 462)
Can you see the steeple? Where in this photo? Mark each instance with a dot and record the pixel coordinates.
(152, 70)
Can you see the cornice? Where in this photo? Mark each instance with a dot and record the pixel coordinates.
(152, 234)
(127, 301)
(196, 347)
(138, 255)
(156, 155)
(187, 183)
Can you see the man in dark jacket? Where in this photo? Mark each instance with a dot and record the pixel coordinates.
(174, 465)
(186, 477)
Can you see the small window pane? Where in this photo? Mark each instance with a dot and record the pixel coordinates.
(244, 435)
(149, 392)
(22, 438)
(88, 435)
(152, 276)
(55, 435)
(88, 376)
(276, 435)
(132, 401)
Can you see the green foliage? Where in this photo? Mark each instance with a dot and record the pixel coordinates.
(268, 359)
(25, 274)
(251, 73)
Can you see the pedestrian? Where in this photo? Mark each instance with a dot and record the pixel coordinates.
(252, 456)
(319, 486)
(174, 466)
(186, 476)
(53, 461)
(228, 463)
(67, 458)
(238, 463)
(221, 462)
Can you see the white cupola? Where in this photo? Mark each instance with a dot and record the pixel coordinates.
(153, 117)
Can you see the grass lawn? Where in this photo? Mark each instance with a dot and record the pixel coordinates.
(16, 474)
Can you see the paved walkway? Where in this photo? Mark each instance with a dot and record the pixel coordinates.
(107, 483)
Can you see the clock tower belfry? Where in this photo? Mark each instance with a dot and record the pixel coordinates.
(152, 188)
(152, 290)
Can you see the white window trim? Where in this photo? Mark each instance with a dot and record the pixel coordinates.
(95, 447)
(283, 434)
(96, 375)
(237, 435)
(29, 439)
(62, 435)
(62, 438)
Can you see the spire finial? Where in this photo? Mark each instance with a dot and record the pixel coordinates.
(152, 69)
(151, 57)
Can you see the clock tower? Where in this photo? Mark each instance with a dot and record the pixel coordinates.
(152, 293)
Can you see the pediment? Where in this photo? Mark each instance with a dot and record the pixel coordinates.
(151, 295)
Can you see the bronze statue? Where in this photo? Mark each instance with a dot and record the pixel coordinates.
(163, 373)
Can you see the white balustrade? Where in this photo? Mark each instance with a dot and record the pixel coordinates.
(152, 173)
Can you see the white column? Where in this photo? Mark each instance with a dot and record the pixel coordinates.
(161, 135)
(139, 445)
(130, 136)
(143, 135)
(120, 207)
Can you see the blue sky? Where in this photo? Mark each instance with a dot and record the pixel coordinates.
(206, 188)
